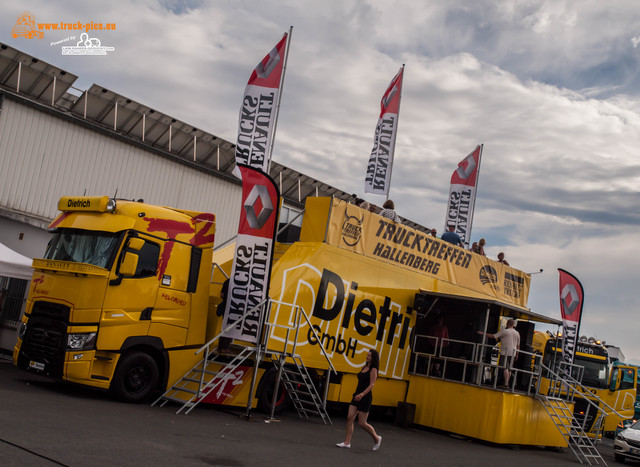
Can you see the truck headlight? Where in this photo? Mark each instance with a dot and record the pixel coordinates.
(81, 341)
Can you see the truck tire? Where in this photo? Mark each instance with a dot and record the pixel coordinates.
(135, 378)
(618, 458)
(266, 393)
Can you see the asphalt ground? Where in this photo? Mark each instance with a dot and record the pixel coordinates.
(44, 423)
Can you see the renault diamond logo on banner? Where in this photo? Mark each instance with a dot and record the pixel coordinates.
(251, 270)
(264, 69)
(261, 193)
(571, 303)
(569, 299)
(467, 167)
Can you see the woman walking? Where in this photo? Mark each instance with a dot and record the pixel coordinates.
(361, 402)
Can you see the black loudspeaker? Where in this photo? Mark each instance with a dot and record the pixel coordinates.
(525, 329)
(421, 303)
(405, 414)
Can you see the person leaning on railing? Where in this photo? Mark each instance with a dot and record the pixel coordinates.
(509, 346)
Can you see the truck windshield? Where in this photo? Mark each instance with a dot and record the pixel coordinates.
(83, 246)
(595, 372)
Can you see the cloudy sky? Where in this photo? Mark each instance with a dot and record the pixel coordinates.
(551, 88)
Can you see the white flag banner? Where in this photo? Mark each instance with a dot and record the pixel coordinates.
(258, 111)
(378, 176)
(462, 195)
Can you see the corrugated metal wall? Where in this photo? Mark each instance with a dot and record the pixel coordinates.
(43, 157)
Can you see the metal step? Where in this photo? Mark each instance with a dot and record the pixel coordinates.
(300, 388)
(206, 380)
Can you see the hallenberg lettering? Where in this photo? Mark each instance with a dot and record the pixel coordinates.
(425, 249)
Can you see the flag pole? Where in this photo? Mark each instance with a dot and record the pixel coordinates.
(475, 195)
(396, 133)
(275, 123)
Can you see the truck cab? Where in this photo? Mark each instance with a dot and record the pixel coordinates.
(120, 297)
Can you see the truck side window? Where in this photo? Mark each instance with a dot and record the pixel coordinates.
(627, 379)
(147, 260)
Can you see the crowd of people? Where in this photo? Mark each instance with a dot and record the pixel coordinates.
(388, 211)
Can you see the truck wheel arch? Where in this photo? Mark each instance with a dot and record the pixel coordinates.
(151, 346)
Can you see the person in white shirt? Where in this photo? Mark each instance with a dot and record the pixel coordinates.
(509, 346)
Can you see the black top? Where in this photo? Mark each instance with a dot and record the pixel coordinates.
(364, 380)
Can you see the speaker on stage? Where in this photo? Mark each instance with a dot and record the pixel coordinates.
(421, 303)
(525, 329)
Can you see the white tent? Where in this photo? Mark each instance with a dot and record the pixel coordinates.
(13, 264)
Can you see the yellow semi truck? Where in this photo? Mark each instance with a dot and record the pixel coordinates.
(120, 300)
(602, 382)
(126, 294)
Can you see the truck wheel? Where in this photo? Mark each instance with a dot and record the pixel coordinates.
(618, 458)
(136, 377)
(266, 393)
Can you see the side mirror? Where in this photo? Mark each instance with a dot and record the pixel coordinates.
(129, 264)
(614, 379)
(135, 244)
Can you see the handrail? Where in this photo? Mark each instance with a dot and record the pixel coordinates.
(559, 380)
(216, 265)
(289, 223)
(296, 319)
(583, 389)
(315, 334)
(471, 357)
(233, 324)
(228, 240)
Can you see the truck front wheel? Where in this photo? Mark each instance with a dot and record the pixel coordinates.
(136, 377)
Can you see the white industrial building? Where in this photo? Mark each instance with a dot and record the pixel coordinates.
(57, 140)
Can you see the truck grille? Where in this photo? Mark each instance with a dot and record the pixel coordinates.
(585, 414)
(44, 343)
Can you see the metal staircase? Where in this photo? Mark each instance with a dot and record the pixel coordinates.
(214, 370)
(200, 380)
(583, 447)
(558, 402)
(300, 388)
